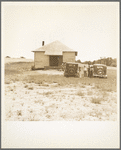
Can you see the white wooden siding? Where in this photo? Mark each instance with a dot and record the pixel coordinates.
(41, 60)
(68, 56)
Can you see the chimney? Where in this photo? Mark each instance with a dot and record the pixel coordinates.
(43, 43)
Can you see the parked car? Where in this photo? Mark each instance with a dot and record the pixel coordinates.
(99, 70)
(72, 70)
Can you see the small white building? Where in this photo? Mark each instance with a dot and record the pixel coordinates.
(52, 55)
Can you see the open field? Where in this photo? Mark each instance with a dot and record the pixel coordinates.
(42, 96)
(11, 60)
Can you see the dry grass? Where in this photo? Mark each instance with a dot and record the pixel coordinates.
(104, 94)
(26, 86)
(47, 93)
(82, 86)
(17, 67)
(7, 82)
(30, 88)
(80, 93)
(38, 101)
(19, 113)
(62, 106)
(11, 89)
(96, 100)
(15, 72)
(60, 103)
(13, 99)
(90, 92)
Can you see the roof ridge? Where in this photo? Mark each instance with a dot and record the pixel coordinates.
(54, 47)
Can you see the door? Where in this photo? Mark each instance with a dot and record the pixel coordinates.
(53, 60)
(56, 60)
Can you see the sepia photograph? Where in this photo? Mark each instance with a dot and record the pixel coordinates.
(60, 61)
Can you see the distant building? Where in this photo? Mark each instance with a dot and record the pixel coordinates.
(52, 55)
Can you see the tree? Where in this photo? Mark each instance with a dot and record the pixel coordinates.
(79, 61)
(7, 56)
(109, 61)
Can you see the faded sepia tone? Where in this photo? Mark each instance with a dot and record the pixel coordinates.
(40, 91)
(60, 63)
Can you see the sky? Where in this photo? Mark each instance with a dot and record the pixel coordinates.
(91, 28)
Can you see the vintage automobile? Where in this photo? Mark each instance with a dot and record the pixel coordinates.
(72, 70)
(99, 70)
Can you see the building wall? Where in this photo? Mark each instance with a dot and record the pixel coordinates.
(40, 60)
(68, 56)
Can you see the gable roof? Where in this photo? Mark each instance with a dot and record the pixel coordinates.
(54, 48)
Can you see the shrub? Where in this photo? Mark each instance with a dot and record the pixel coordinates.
(30, 88)
(48, 116)
(80, 93)
(90, 92)
(22, 57)
(19, 113)
(108, 89)
(32, 67)
(98, 86)
(11, 89)
(104, 94)
(82, 86)
(25, 86)
(48, 93)
(9, 113)
(7, 82)
(96, 100)
(7, 57)
(38, 101)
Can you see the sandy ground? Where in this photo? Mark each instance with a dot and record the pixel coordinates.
(112, 68)
(52, 102)
(49, 102)
(52, 72)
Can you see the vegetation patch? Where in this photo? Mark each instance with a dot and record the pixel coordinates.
(96, 100)
(90, 92)
(30, 88)
(47, 93)
(7, 82)
(13, 69)
(26, 86)
(19, 113)
(69, 100)
(80, 93)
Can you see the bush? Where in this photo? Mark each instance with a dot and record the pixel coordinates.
(96, 100)
(90, 92)
(113, 65)
(80, 93)
(7, 57)
(48, 93)
(22, 57)
(32, 67)
(30, 88)
(7, 82)
(19, 112)
(25, 86)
